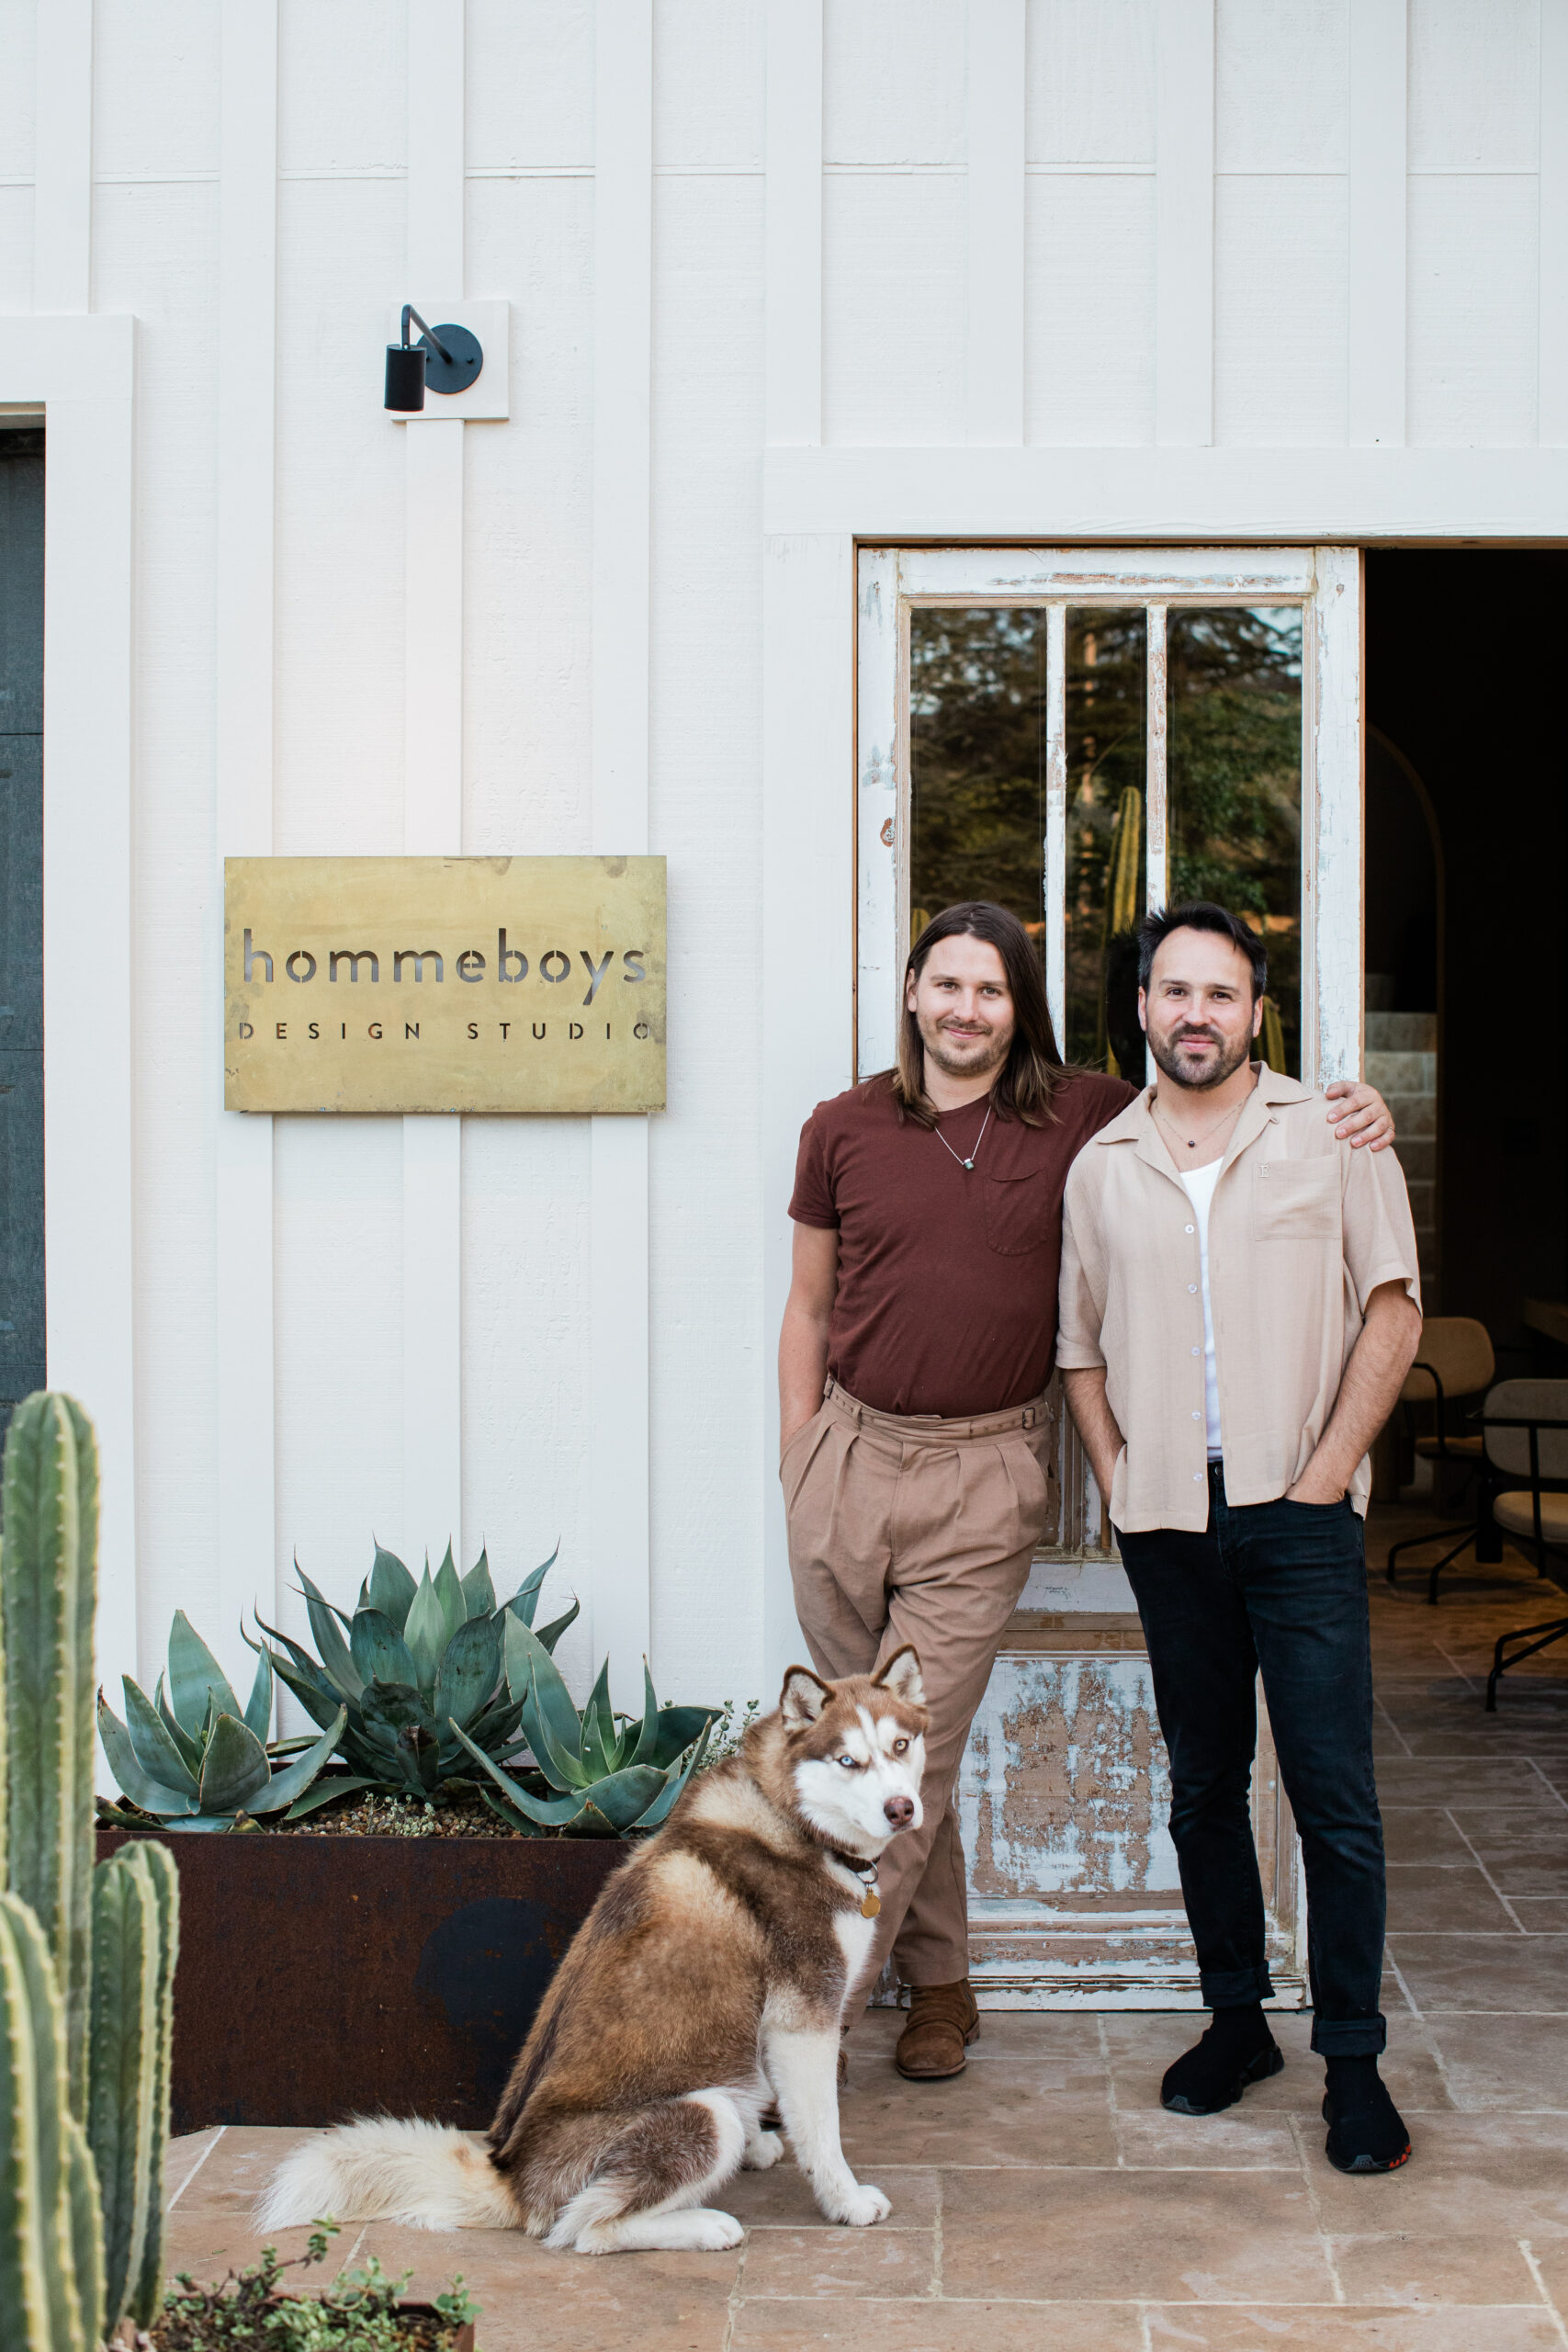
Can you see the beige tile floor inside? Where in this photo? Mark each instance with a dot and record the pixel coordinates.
(1045, 2200)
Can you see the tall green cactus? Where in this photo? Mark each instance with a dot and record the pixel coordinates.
(50, 2302)
(87, 1958)
(48, 1596)
(120, 2118)
(25, 2300)
(146, 2289)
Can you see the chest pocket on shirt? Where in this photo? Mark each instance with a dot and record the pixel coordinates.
(1296, 1200)
(1018, 1214)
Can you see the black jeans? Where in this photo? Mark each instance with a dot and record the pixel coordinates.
(1283, 1586)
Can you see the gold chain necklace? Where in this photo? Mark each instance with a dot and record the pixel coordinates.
(1193, 1142)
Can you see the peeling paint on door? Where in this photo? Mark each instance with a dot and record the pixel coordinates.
(1064, 1800)
(1064, 1786)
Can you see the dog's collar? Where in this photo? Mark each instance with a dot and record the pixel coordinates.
(853, 1862)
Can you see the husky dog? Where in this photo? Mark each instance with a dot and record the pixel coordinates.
(708, 1982)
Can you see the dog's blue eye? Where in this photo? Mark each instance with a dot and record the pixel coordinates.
(848, 1762)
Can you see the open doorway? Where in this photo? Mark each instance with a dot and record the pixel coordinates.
(1466, 859)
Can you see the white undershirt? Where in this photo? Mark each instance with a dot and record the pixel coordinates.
(1200, 1185)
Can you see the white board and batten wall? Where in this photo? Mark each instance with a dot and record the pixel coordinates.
(780, 273)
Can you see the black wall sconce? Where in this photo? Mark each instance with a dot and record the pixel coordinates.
(445, 359)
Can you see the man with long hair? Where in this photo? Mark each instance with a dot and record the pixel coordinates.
(917, 1446)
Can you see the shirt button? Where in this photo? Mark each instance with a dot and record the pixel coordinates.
(1194, 1350)
(1187, 1228)
(1197, 1477)
(1192, 1286)
(1197, 1417)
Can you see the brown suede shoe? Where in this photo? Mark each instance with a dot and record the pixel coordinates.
(942, 2020)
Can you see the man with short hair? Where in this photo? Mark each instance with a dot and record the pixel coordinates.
(1240, 1304)
(916, 1445)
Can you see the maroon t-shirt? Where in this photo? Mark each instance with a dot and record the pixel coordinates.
(947, 1276)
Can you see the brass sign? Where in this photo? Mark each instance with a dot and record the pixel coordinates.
(444, 984)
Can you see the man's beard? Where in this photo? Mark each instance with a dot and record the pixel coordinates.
(987, 1053)
(1164, 1054)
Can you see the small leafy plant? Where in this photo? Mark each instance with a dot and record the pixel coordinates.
(358, 2312)
(595, 1774)
(189, 1757)
(414, 1680)
(729, 1730)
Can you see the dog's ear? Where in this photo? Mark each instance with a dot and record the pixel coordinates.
(802, 1697)
(901, 1675)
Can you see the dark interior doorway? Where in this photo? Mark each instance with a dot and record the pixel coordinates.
(22, 1367)
(1467, 855)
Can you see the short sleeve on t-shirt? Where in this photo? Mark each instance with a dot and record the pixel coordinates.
(811, 1203)
(1378, 1230)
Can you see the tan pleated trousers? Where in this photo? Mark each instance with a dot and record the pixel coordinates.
(917, 1530)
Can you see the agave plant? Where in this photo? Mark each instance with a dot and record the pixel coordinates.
(594, 1774)
(190, 1757)
(416, 1679)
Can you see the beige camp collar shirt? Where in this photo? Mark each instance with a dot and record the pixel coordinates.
(1301, 1231)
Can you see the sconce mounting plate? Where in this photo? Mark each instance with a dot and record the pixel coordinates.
(457, 372)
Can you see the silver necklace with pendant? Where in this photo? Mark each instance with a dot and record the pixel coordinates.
(1191, 1142)
(978, 1141)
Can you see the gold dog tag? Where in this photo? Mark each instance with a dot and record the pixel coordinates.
(870, 1905)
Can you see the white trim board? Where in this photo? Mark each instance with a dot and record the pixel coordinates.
(83, 371)
(432, 761)
(619, 1522)
(245, 1341)
(808, 962)
(1167, 495)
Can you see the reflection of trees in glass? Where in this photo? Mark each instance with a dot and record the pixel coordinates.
(1235, 714)
(1106, 663)
(977, 759)
(977, 750)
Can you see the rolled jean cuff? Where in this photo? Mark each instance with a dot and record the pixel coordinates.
(1233, 1988)
(1348, 2037)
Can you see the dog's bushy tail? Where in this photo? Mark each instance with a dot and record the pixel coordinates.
(424, 2176)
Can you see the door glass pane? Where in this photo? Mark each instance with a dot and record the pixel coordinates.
(977, 760)
(1234, 766)
(1107, 657)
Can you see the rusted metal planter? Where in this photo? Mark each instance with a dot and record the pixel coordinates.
(320, 1977)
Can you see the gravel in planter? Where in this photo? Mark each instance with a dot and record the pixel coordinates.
(373, 1815)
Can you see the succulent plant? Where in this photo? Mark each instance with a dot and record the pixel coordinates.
(419, 1684)
(193, 1760)
(595, 1774)
(86, 1955)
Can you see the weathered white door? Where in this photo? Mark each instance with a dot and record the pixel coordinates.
(1081, 734)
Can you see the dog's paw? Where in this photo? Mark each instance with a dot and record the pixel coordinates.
(712, 2232)
(861, 2206)
(762, 2151)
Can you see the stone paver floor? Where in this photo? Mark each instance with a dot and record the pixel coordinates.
(1045, 2200)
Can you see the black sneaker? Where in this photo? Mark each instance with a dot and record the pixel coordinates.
(1214, 2073)
(1366, 2130)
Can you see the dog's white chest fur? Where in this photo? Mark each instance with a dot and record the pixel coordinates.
(856, 1935)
